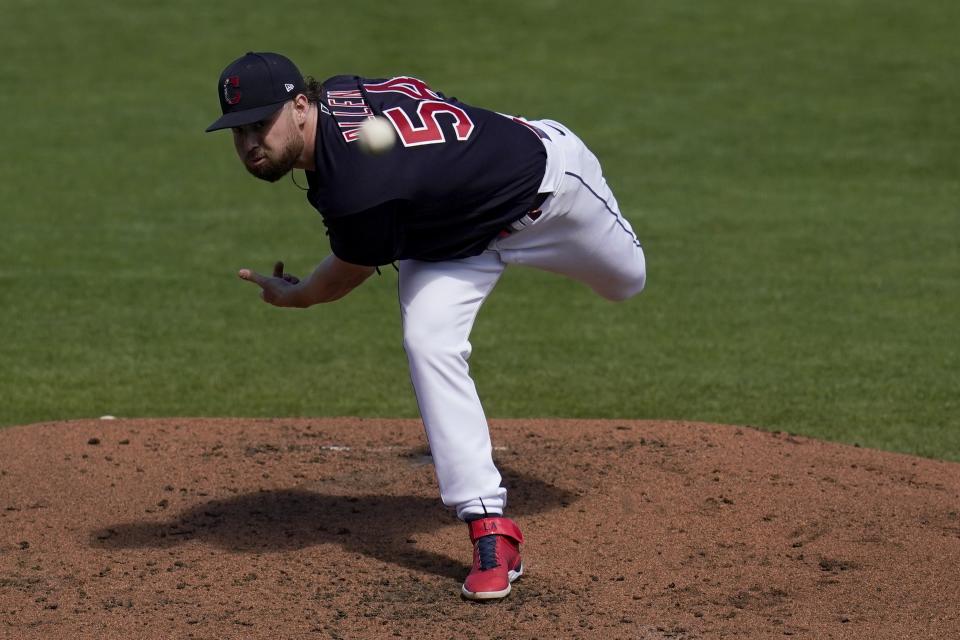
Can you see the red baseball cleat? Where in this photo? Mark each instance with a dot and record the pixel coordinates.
(496, 558)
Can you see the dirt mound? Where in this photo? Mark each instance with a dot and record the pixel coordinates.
(332, 529)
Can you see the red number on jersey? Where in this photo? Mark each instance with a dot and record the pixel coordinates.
(429, 132)
(430, 105)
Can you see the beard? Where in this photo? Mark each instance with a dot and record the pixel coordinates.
(272, 167)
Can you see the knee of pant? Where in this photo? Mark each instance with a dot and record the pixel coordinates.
(625, 285)
(421, 342)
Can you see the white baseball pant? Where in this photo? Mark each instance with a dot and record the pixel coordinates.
(580, 234)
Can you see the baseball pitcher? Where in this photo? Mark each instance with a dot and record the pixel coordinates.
(452, 196)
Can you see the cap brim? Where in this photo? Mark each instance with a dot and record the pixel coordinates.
(247, 116)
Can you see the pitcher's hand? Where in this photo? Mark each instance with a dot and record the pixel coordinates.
(281, 290)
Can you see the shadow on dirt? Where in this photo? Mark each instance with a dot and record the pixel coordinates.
(380, 526)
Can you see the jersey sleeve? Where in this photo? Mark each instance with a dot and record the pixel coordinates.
(370, 238)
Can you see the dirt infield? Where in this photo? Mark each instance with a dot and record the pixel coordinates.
(181, 528)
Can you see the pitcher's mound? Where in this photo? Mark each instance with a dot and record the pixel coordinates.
(180, 528)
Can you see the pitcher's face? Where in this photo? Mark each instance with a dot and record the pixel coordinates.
(269, 149)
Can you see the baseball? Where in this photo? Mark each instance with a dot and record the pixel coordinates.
(377, 136)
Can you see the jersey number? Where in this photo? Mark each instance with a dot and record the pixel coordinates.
(428, 130)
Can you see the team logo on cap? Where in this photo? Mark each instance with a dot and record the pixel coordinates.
(231, 94)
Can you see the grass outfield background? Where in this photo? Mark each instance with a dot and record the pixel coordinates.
(791, 168)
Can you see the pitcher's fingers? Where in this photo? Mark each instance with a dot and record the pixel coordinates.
(278, 269)
(252, 276)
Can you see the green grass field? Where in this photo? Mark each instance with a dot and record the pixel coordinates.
(791, 168)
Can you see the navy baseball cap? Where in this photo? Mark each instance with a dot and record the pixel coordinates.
(254, 87)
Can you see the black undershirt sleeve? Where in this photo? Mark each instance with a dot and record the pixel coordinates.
(371, 237)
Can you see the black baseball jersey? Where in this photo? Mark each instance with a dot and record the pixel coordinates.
(457, 176)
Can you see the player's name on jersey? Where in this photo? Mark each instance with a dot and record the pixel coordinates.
(350, 110)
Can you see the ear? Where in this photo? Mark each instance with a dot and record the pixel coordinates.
(301, 106)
